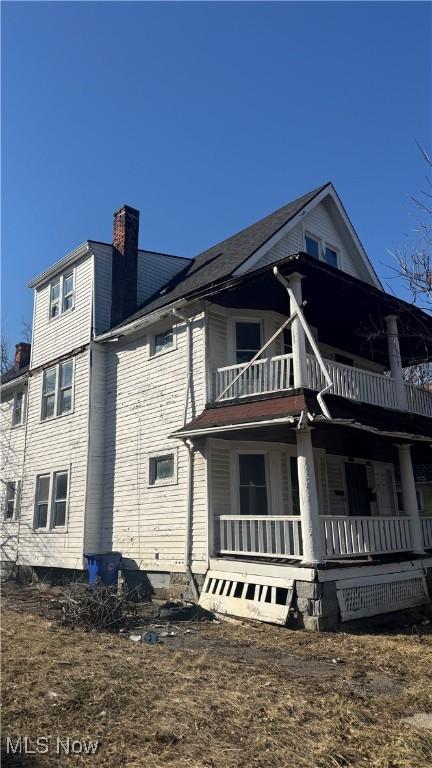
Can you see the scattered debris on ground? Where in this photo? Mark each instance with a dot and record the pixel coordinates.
(216, 695)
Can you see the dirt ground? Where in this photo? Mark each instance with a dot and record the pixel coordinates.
(243, 695)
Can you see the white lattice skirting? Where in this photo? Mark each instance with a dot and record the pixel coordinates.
(392, 592)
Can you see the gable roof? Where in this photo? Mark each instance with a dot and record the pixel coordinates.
(221, 260)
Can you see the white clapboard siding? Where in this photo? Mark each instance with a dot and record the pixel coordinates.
(11, 463)
(144, 406)
(324, 221)
(155, 270)
(52, 446)
(102, 285)
(70, 330)
(288, 245)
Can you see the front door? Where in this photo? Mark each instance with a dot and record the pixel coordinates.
(357, 488)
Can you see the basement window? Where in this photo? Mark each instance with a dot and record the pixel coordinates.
(61, 295)
(162, 469)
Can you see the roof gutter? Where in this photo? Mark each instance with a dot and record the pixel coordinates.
(13, 382)
(374, 430)
(142, 322)
(230, 427)
(70, 257)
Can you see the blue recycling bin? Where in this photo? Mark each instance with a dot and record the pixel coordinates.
(104, 566)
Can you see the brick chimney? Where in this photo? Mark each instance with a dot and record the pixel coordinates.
(124, 263)
(22, 354)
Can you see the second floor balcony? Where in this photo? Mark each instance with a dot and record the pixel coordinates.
(276, 374)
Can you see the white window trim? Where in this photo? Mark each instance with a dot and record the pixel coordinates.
(49, 528)
(243, 319)
(57, 415)
(235, 473)
(23, 409)
(15, 513)
(322, 245)
(157, 455)
(61, 279)
(163, 329)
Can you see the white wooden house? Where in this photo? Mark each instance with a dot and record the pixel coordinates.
(236, 424)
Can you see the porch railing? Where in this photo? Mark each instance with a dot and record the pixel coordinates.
(275, 374)
(350, 536)
(264, 535)
(427, 532)
(419, 400)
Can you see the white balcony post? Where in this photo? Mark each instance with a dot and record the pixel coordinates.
(395, 361)
(313, 551)
(410, 498)
(298, 335)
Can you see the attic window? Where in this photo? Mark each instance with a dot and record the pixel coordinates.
(163, 341)
(330, 256)
(312, 246)
(61, 295)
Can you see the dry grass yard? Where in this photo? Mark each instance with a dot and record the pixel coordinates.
(218, 695)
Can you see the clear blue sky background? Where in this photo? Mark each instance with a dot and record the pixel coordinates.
(205, 116)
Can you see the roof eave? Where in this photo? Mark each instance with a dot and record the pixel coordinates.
(59, 266)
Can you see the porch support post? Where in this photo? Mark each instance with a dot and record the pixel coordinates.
(298, 334)
(410, 498)
(313, 551)
(395, 360)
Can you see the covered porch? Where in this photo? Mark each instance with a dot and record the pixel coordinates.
(287, 485)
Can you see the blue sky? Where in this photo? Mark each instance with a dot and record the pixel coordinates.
(205, 116)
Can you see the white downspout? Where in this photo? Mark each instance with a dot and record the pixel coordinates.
(189, 445)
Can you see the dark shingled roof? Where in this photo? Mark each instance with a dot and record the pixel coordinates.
(13, 373)
(221, 260)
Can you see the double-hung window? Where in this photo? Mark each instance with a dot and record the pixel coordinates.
(248, 340)
(61, 295)
(51, 500)
(18, 409)
(57, 390)
(253, 484)
(11, 500)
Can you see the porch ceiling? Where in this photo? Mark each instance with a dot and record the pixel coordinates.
(348, 313)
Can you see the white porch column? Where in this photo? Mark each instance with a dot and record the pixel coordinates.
(410, 498)
(395, 360)
(313, 551)
(298, 334)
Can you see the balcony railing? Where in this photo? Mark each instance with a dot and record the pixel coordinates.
(275, 374)
(342, 537)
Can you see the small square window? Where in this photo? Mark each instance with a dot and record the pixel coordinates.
(163, 341)
(161, 469)
(312, 246)
(330, 256)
